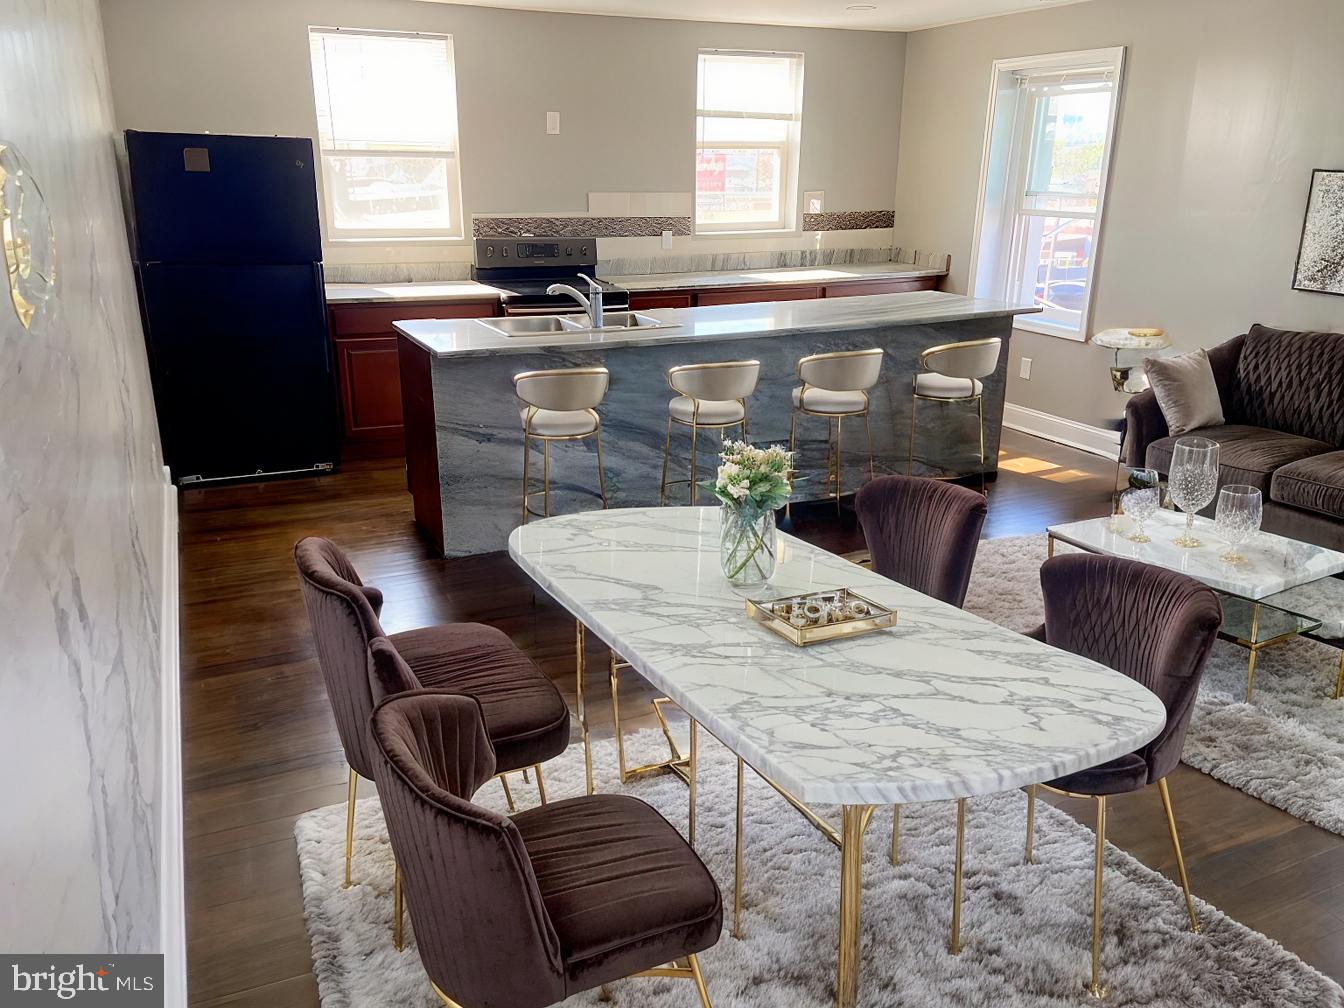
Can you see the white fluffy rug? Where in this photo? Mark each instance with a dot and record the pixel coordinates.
(1285, 748)
(1026, 929)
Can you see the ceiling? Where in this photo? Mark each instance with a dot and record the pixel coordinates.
(885, 15)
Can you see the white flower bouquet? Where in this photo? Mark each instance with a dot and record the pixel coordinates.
(753, 483)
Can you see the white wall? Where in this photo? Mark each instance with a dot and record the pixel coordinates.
(1227, 107)
(625, 90)
(83, 550)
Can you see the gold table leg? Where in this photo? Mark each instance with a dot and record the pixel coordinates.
(579, 666)
(737, 856)
(1254, 649)
(895, 834)
(1050, 546)
(690, 785)
(955, 946)
(350, 824)
(854, 822)
(1031, 823)
(1095, 988)
(675, 764)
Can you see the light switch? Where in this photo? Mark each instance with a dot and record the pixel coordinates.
(667, 241)
(552, 123)
(813, 202)
(1024, 371)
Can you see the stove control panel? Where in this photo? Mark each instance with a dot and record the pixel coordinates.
(549, 253)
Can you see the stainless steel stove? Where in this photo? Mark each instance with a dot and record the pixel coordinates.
(524, 267)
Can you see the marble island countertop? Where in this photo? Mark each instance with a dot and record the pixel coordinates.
(472, 337)
(443, 290)
(782, 276)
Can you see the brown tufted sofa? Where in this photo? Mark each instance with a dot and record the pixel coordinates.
(1283, 406)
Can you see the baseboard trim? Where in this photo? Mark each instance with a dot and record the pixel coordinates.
(172, 883)
(1062, 430)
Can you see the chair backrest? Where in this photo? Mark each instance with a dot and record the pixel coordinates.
(716, 382)
(843, 370)
(577, 388)
(343, 614)
(922, 532)
(1154, 625)
(972, 359)
(481, 928)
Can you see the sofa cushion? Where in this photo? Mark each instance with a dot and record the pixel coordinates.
(1291, 382)
(1186, 391)
(1313, 484)
(1246, 454)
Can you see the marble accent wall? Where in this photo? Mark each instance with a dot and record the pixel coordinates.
(82, 512)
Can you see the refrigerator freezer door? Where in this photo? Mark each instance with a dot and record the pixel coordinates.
(201, 198)
(242, 374)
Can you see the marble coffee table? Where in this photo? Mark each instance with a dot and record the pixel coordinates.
(945, 705)
(1284, 589)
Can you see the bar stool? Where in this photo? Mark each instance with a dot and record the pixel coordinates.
(559, 405)
(952, 374)
(835, 386)
(708, 395)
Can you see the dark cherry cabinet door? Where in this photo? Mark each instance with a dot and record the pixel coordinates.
(642, 301)
(738, 295)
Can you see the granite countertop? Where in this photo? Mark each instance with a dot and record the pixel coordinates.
(472, 337)
(444, 290)
(784, 275)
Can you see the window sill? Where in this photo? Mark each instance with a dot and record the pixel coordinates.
(1029, 324)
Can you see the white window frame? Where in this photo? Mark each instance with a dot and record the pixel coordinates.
(788, 149)
(1007, 146)
(453, 156)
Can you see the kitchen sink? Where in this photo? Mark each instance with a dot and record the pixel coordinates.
(545, 325)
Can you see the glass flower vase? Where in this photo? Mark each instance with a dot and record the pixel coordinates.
(748, 552)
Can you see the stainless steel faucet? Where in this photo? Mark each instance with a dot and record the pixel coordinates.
(592, 302)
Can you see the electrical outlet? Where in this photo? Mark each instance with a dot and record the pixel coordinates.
(667, 241)
(552, 123)
(1024, 372)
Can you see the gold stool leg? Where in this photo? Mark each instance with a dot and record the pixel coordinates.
(526, 455)
(601, 474)
(667, 453)
(872, 461)
(546, 476)
(910, 464)
(690, 784)
(839, 459)
(980, 410)
(616, 716)
(1031, 823)
(1095, 988)
(508, 795)
(737, 856)
(1176, 846)
(699, 982)
(955, 946)
(396, 907)
(579, 668)
(350, 824)
(541, 787)
(695, 429)
(895, 834)
(793, 454)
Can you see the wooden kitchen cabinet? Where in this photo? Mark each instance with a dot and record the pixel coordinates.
(753, 295)
(644, 300)
(368, 376)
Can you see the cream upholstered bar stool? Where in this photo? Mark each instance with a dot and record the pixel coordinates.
(835, 386)
(712, 396)
(951, 374)
(559, 405)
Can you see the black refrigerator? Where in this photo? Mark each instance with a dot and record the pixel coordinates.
(228, 261)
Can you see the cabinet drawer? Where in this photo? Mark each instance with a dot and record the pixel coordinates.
(855, 288)
(738, 295)
(365, 319)
(660, 299)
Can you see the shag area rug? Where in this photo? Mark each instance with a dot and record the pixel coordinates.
(1286, 747)
(1026, 928)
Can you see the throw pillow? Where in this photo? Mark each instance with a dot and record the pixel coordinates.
(1186, 391)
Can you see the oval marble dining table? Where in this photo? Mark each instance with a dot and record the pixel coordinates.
(944, 705)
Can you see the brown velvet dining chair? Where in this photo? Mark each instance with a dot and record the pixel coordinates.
(525, 715)
(924, 533)
(524, 911)
(1157, 627)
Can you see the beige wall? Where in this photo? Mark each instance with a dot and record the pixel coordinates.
(625, 90)
(1227, 107)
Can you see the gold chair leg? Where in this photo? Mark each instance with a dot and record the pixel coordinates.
(955, 946)
(396, 907)
(580, 664)
(508, 795)
(737, 855)
(541, 786)
(604, 994)
(448, 1002)
(616, 716)
(895, 834)
(601, 473)
(667, 454)
(350, 824)
(1031, 823)
(699, 982)
(1095, 988)
(526, 455)
(690, 784)
(1176, 846)
(910, 464)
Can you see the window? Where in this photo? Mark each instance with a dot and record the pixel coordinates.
(1043, 186)
(387, 130)
(748, 116)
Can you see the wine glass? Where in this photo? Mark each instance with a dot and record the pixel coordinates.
(1194, 482)
(1141, 499)
(1237, 518)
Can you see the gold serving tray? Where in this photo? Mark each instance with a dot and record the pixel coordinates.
(821, 616)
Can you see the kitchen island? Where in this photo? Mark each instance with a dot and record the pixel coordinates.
(464, 439)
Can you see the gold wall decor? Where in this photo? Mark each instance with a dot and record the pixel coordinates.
(29, 239)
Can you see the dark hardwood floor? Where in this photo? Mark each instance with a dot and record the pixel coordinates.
(261, 748)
